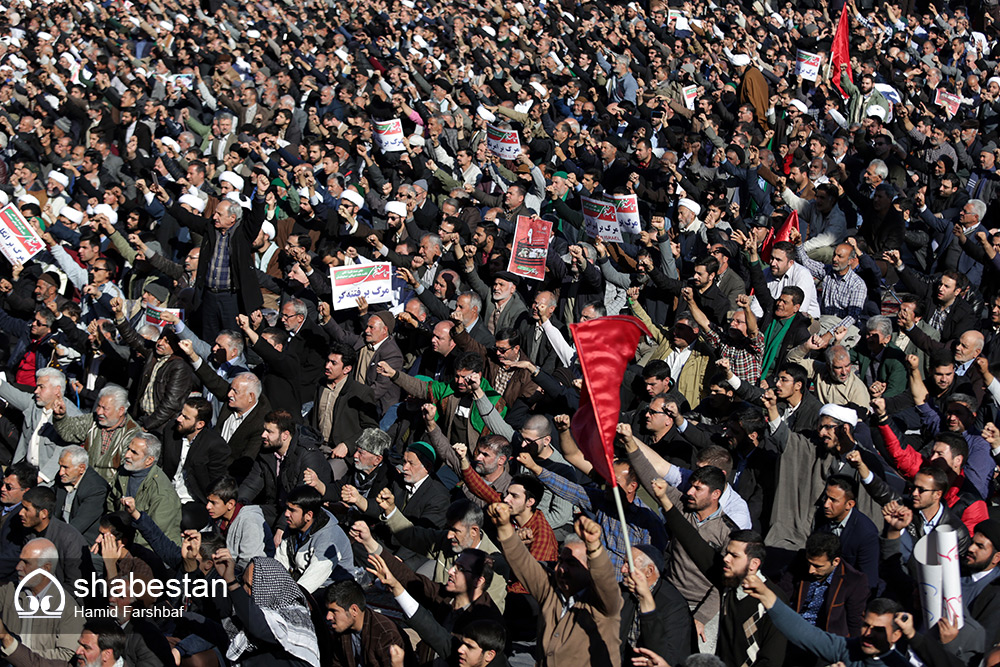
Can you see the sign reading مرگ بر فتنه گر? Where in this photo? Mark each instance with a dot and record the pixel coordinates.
(19, 242)
(372, 282)
(389, 135)
(505, 144)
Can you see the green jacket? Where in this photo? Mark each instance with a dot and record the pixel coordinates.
(892, 371)
(856, 106)
(156, 497)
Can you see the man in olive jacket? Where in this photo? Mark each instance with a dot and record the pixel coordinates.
(140, 478)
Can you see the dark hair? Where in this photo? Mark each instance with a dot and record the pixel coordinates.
(710, 263)
(42, 498)
(489, 634)
(470, 361)
(346, 594)
(751, 420)
(110, 635)
(823, 544)
(482, 567)
(717, 456)
(278, 336)
(798, 374)
(883, 606)
(657, 368)
(225, 488)
(512, 336)
(120, 526)
(786, 247)
(798, 296)
(348, 355)
(533, 488)
(202, 408)
(846, 483)
(919, 308)
(27, 474)
(306, 498)
(710, 476)
(936, 472)
(956, 443)
(464, 511)
(282, 419)
(754, 543)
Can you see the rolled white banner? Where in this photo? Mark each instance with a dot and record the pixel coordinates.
(951, 577)
(929, 575)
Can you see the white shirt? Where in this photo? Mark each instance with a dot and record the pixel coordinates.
(180, 483)
(800, 277)
(676, 360)
(234, 422)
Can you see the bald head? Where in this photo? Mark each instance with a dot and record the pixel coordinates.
(970, 345)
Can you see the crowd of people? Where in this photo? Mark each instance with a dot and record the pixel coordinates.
(211, 461)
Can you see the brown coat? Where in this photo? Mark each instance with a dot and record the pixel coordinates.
(378, 633)
(753, 89)
(588, 634)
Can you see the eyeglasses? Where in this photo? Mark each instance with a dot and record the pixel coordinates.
(651, 411)
(503, 350)
(921, 490)
(286, 316)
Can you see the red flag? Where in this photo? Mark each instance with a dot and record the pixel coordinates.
(604, 347)
(840, 52)
(783, 233)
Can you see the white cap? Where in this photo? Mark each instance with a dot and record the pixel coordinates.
(353, 197)
(59, 177)
(396, 207)
(342, 54)
(28, 199)
(303, 192)
(253, 34)
(409, 4)
(420, 41)
(417, 140)
(73, 215)
(197, 203)
(489, 30)
(800, 105)
(106, 211)
(168, 141)
(244, 202)
(268, 229)
(539, 88)
(166, 26)
(840, 413)
(181, 18)
(5, 199)
(486, 114)
(740, 60)
(45, 35)
(875, 110)
(233, 179)
(691, 205)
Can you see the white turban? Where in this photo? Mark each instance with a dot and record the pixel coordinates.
(691, 205)
(840, 413)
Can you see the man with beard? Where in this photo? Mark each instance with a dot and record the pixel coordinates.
(101, 644)
(226, 357)
(743, 630)
(742, 343)
(140, 478)
(194, 456)
(370, 473)
(287, 451)
(315, 549)
(105, 434)
(359, 630)
(834, 380)
(504, 306)
(580, 603)
(980, 587)
(806, 460)
(858, 535)
(783, 271)
(463, 523)
(39, 443)
(791, 387)
(950, 314)
(879, 361)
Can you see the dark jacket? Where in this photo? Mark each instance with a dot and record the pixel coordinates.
(206, 460)
(282, 376)
(353, 411)
(378, 633)
(960, 319)
(666, 630)
(245, 441)
(859, 544)
(844, 603)
(267, 485)
(242, 273)
(385, 391)
(174, 382)
(88, 503)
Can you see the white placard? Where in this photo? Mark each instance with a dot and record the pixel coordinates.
(601, 219)
(807, 65)
(503, 143)
(373, 282)
(389, 135)
(627, 211)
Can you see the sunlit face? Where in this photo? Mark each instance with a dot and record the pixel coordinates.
(340, 620)
(413, 469)
(780, 263)
(107, 412)
(736, 564)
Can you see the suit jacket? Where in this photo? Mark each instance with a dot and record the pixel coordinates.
(244, 443)
(206, 462)
(859, 544)
(353, 411)
(309, 345)
(513, 313)
(242, 272)
(844, 603)
(267, 485)
(88, 504)
(960, 319)
(385, 392)
(428, 505)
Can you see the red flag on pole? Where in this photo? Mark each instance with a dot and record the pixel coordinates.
(783, 233)
(604, 347)
(840, 52)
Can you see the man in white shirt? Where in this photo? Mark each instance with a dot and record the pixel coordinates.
(784, 271)
(39, 443)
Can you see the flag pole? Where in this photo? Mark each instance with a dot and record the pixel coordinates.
(621, 517)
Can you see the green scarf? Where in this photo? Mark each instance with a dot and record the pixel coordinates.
(772, 343)
(440, 390)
